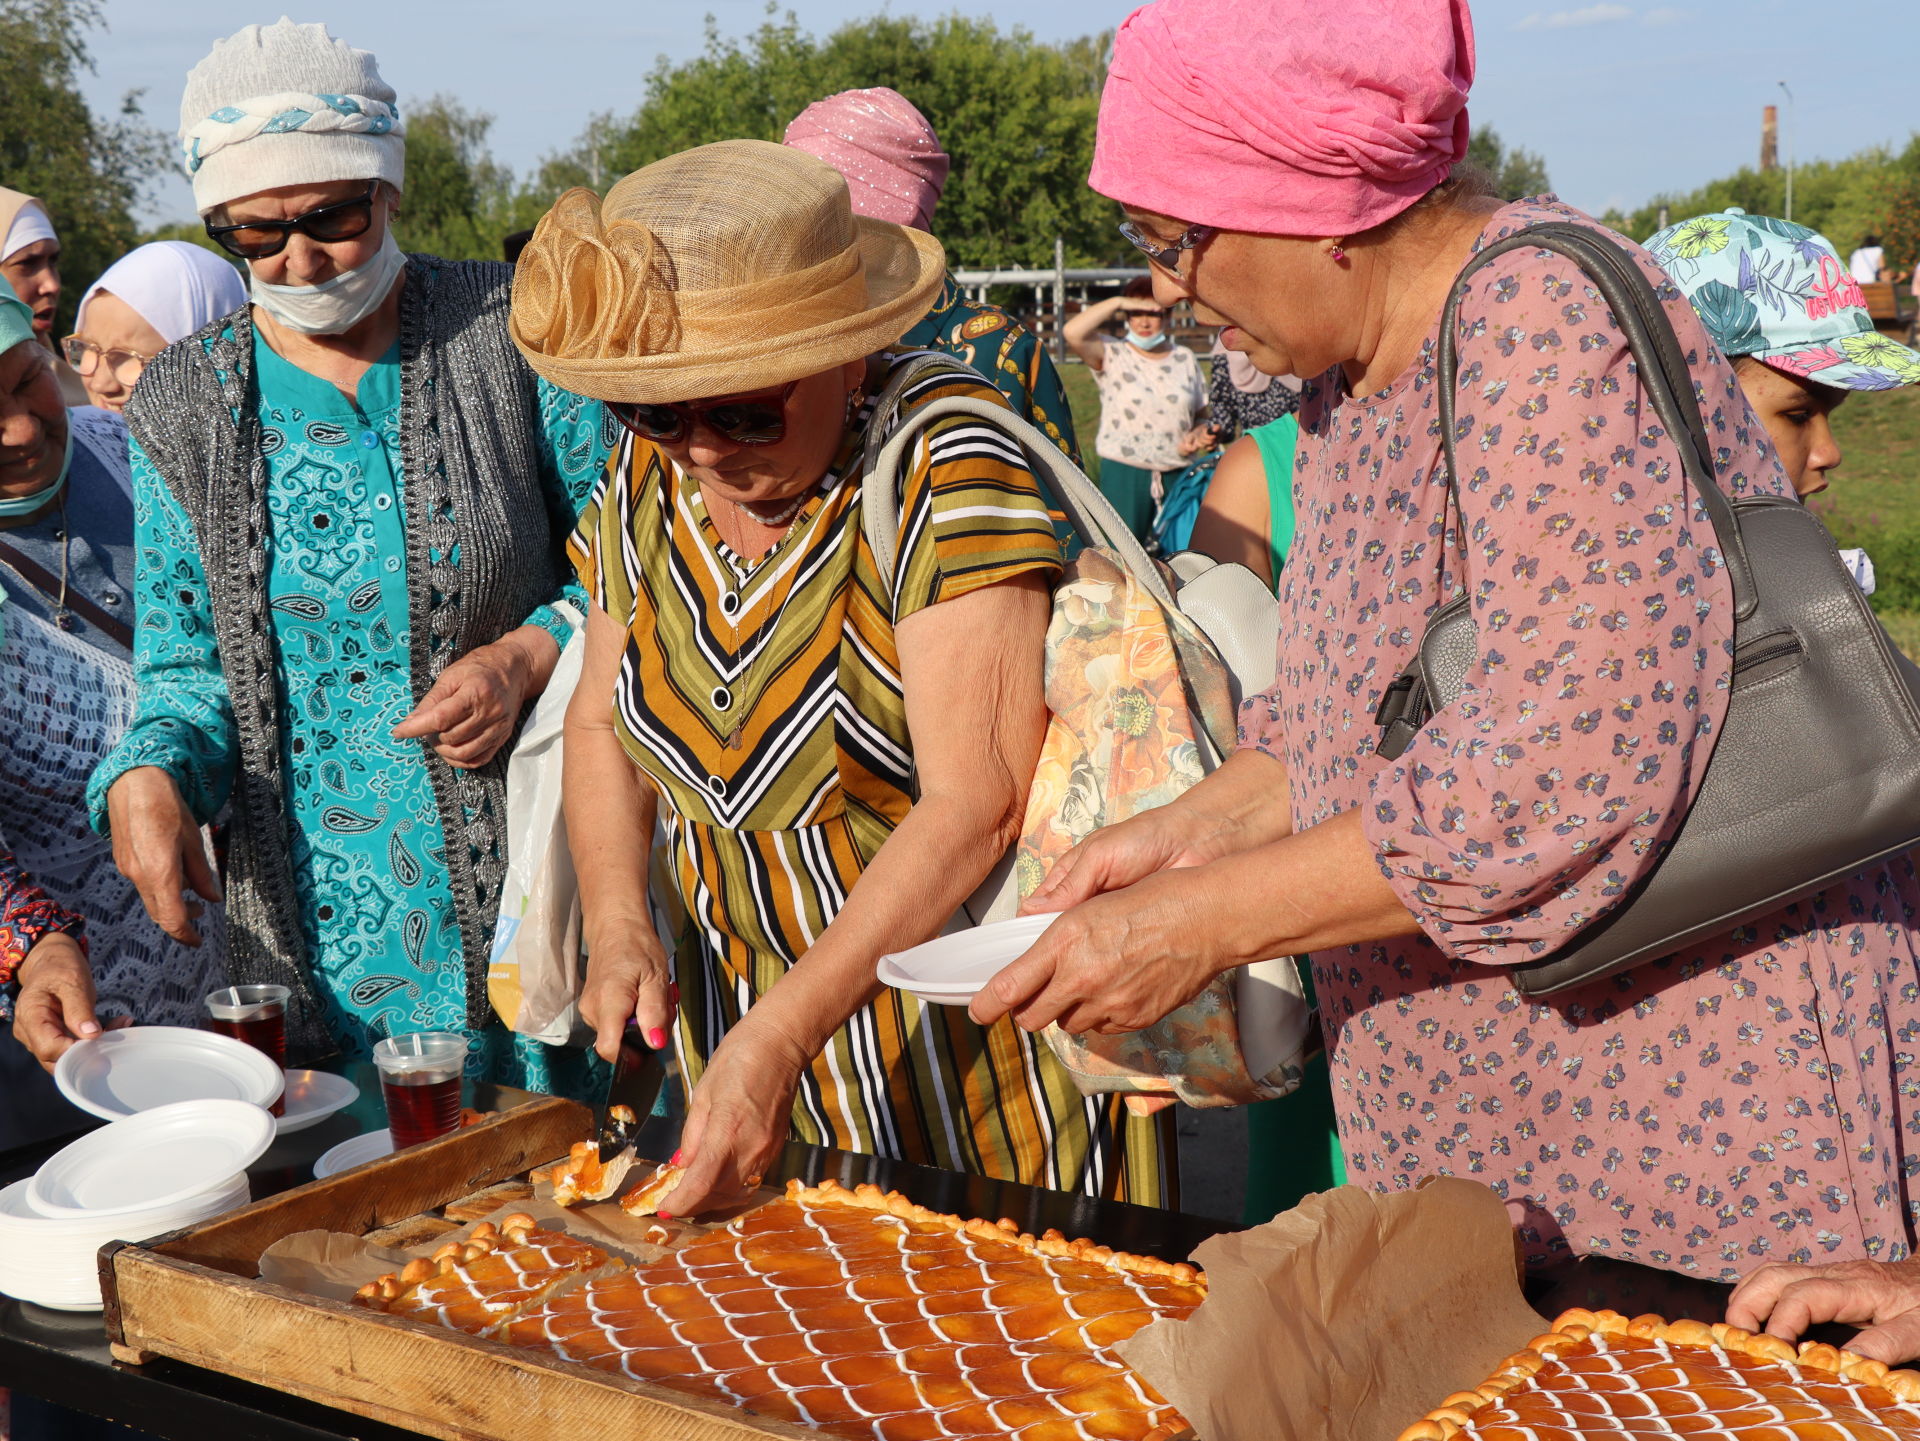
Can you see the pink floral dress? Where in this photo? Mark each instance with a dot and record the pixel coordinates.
(1753, 1100)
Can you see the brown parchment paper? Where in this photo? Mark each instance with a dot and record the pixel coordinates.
(1346, 1319)
(335, 1265)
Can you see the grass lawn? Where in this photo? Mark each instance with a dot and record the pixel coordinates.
(1874, 500)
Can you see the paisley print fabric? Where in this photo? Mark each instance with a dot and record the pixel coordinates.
(763, 701)
(367, 844)
(1752, 1100)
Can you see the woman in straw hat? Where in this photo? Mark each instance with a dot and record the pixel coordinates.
(1290, 168)
(838, 753)
(352, 497)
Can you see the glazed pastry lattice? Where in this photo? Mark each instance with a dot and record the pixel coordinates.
(1599, 1374)
(867, 1316)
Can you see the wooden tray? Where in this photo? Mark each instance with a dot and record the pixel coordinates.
(194, 1296)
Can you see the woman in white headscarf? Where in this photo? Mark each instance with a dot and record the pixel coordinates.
(146, 300)
(30, 265)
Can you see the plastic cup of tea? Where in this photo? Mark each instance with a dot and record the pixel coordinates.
(256, 1015)
(420, 1078)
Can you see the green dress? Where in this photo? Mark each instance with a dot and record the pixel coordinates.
(376, 907)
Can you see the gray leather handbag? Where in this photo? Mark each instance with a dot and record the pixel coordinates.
(1816, 771)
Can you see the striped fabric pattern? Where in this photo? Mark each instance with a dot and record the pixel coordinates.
(764, 703)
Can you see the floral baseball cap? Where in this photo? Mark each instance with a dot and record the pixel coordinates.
(1778, 292)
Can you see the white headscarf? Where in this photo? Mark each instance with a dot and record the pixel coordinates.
(30, 224)
(177, 287)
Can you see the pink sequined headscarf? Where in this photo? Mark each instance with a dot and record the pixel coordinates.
(1284, 117)
(887, 150)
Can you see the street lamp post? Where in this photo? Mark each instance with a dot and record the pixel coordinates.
(1786, 144)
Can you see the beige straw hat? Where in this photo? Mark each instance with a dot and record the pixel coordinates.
(721, 269)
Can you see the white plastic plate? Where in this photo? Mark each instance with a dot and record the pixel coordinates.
(123, 1072)
(153, 1159)
(312, 1096)
(357, 1152)
(950, 970)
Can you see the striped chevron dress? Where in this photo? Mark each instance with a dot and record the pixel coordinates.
(763, 700)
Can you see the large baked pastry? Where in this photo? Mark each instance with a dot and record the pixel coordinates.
(1597, 1374)
(479, 1284)
(864, 1315)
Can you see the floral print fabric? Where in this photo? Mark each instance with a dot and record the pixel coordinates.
(1147, 404)
(28, 916)
(376, 905)
(1750, 1101)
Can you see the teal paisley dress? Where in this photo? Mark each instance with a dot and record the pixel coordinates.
(368, 847)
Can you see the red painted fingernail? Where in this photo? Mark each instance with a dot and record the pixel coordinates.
(657, 1038)
(664, 1215)
(673, 993)
(676, 1158)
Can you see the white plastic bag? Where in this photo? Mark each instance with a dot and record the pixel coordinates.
(535, 971)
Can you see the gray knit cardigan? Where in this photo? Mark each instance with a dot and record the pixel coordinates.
(470, 476)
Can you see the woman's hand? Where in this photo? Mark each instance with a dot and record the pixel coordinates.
(475, 704)
(1882, 1296)
(627, 983)
(1118, 962)
(157, 846)
(1126, 853)
(55, 1005)
(1200, 438)
(737, 1119)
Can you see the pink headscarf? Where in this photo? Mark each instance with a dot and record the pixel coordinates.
(1284, 117)
(887, 150)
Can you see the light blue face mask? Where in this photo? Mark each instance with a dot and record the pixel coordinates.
(1149, 342)
(25, 505)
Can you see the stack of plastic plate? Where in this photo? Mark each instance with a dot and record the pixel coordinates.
(137, 1178)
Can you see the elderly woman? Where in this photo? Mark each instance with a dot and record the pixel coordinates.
(30, 265)
(146, 300)
(839, 752)
(1740, 1100)
(351, 501)
(66, 692)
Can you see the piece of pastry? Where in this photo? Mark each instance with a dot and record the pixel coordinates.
(1597, 1373)
(645, 1198)
(864, 1315)
(478, 1284)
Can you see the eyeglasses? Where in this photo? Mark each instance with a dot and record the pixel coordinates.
(86, 357)
(744, 420)
(258, 239)
(1166, 255)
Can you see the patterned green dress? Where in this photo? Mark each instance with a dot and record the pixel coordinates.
(376, 908)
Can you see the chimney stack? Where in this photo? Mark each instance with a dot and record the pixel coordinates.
(1769, 139)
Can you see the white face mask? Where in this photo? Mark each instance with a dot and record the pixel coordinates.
(336, 305)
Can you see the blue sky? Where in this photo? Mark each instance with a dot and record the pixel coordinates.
(1624, 98)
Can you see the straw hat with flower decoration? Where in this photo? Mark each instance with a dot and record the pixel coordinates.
(727, 268)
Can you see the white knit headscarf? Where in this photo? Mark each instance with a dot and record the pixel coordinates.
(287, 104)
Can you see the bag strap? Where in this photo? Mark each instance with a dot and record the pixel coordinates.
(48, 585)
(1663, 371)
(888, 439)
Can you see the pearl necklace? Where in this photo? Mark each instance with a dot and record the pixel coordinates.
(779, 517)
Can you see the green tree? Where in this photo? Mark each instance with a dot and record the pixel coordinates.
(1515, 172)
(459, 201)
(1016, 114)
(90, 173)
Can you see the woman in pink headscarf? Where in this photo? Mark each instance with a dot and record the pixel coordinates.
(1291, 169)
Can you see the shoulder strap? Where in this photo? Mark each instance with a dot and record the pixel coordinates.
(1663, 370)
(889, 439)
(48, 584)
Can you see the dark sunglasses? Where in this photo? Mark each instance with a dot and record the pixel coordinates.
(748, 420)
(258, 239)
(1165, 255)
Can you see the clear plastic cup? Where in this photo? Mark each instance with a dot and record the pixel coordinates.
(256, 1015)
(420, 1078)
